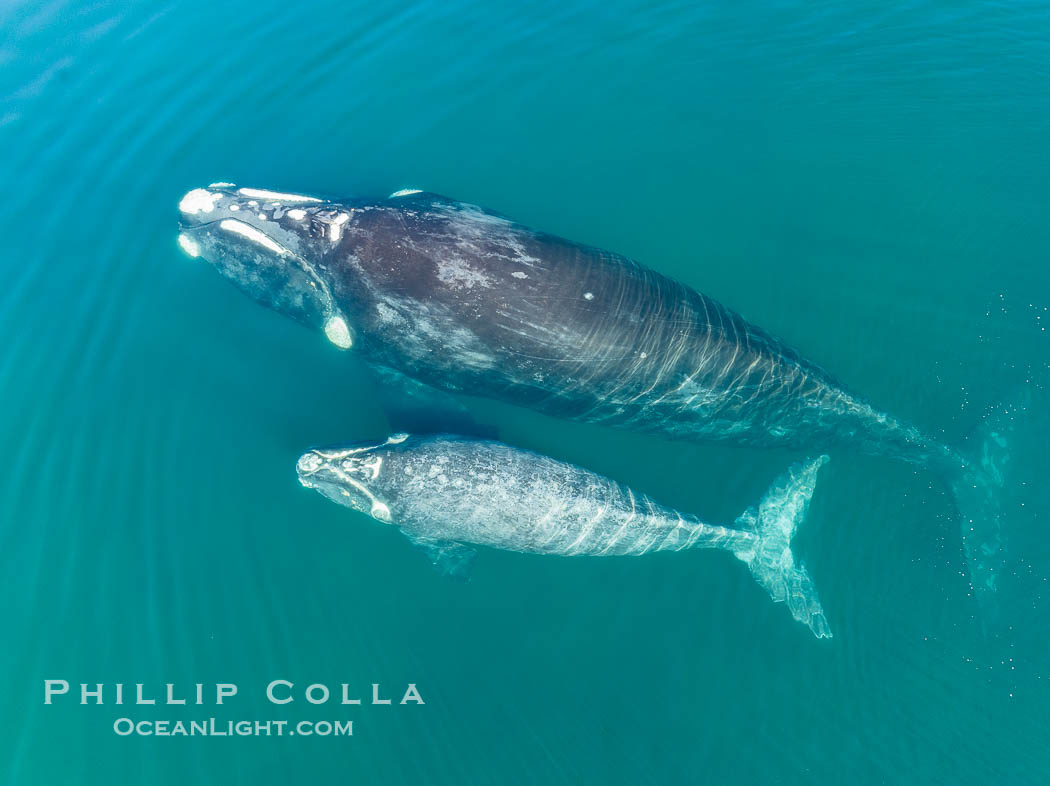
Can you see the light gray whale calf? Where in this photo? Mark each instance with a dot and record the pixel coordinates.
(448, 494)
(443, 294)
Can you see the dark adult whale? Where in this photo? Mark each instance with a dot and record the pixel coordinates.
(465, 300)
(448, 493)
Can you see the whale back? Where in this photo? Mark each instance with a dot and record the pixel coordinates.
(467, 300)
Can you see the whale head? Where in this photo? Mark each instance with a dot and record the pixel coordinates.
(347, 474)
(272, 246)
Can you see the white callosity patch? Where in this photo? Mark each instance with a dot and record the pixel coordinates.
(520, 274)
(309, 462)
(296, 214)
(199, 200)
(221, 184)
(189, 245)
(251, 233)
(405, 192)
(338, 333)
(335, 227)
(259, 193)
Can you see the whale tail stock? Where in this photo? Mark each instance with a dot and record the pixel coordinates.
(773, 522)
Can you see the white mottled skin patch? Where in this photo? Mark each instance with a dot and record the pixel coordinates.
(520, 274)
(458, 273)
(416, 329)
(480, 235)
(388, 315)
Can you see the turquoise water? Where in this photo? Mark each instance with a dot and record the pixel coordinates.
(868, 183)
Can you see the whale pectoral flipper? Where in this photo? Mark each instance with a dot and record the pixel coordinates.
(448, 557)
(773, 522)
(416, 408)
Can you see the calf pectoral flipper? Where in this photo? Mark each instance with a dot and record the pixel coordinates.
(448, 557)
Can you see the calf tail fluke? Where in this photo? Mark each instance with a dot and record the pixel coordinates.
(774, 521)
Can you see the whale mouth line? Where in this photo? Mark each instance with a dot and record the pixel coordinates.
(335, 325)
(243, 229)
(256, 236)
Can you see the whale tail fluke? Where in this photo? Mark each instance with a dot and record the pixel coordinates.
(774, 521)
(977, 489)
